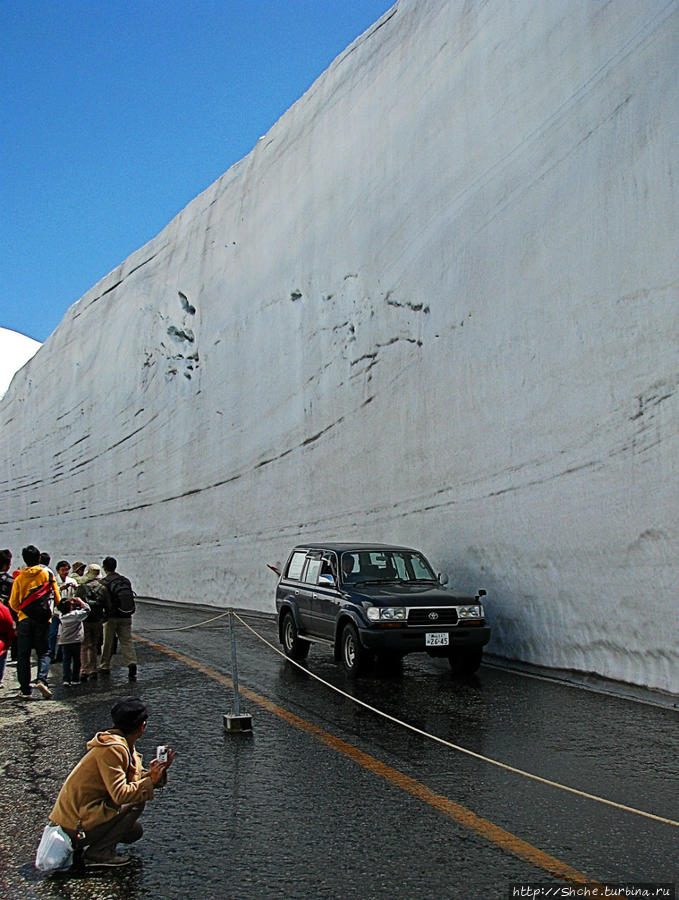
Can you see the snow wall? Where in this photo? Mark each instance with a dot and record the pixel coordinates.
(435, 305)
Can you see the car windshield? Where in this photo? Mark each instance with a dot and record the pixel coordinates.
(376, 566)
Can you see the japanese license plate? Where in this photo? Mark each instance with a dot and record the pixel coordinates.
(436, 639)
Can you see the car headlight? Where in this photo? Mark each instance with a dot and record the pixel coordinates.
(386, 613)
(470, 612)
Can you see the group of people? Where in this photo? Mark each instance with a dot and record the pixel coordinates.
(101, 801)
(63, 617)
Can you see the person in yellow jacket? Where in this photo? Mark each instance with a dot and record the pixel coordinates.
(32, 633)
(101, 800)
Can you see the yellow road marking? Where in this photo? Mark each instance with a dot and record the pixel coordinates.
(494, 833)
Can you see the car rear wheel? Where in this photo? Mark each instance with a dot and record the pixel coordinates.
(293, 645)
(465, 662)
(355, 658)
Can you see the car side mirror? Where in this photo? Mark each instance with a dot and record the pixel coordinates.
(326, 579)
(442, 578)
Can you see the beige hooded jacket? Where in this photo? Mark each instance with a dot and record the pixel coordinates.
(109, 775)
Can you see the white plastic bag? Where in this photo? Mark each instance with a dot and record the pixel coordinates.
(55, 851)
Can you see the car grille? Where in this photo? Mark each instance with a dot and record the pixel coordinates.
(431, 617)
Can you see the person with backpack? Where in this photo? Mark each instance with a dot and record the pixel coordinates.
(97, 597)
(119, 624)
(34, 595)
(6, 579)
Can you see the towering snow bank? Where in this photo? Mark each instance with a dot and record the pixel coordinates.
(437, 305)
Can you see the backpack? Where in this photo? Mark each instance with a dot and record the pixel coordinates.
(39, 602)
(122, 596)
(6, 582)
(97, 598)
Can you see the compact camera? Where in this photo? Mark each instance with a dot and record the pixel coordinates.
(161, 753)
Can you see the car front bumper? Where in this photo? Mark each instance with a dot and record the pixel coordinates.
(412, 640)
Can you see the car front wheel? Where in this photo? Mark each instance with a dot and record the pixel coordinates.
(293, 645)
(355, 658)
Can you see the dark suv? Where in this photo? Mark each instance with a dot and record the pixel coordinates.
(367, 600)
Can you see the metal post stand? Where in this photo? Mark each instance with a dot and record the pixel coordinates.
(235, 722)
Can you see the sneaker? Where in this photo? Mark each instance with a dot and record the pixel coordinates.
(44, 690)
(132, 670)
(67, 683)
(24, 696)
(115, 859)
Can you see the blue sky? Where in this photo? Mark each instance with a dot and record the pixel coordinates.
(117, 113)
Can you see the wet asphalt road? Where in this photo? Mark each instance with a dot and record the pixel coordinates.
(339, 802)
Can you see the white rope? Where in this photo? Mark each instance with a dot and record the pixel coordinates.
(187, 627)
(433, 737)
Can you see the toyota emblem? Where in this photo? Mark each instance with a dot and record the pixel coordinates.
(433, 615)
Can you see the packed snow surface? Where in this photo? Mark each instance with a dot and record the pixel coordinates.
(435, 305)
(15, 350)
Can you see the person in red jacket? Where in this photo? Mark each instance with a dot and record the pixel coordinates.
(8, 634)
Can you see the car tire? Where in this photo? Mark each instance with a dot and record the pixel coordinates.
(355, 658)
(293, 646)
(465, 662)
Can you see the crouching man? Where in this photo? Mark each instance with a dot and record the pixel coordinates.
(105, 793)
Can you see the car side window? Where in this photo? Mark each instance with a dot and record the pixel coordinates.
(313, 570)
(296, 565)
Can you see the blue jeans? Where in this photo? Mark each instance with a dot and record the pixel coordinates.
(70, 661)
(54, 631)
(32, 636)
(3, 663)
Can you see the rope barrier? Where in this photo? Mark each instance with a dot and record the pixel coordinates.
(432, 737)
(479, 756)
(188, 627)
(196, 624)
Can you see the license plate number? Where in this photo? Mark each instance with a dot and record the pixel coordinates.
(436, 639)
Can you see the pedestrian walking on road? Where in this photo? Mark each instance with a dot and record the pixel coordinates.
(67, 586)
(106, 792)
(71, 633)
(97, 597)
(33, 596)
(119, 623)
